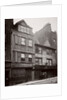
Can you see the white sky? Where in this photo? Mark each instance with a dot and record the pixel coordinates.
(38, 23)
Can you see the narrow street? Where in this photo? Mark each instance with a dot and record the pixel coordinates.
(43, 81)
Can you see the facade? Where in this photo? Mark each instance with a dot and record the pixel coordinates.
(28, 56)
(22, 53)
(45, 62)
(22, 45)
(45, 55)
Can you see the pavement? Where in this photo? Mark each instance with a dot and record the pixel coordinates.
(52, 80)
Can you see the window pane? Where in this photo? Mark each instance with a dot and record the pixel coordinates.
(23, 41)
(30, 43)
(49, 62)
(30, 58)
(22, 28)
(22, 57)
(40, 61)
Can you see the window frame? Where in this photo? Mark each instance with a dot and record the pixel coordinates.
(30, 40)
(24, 41)
(30, 58)
(22, 57)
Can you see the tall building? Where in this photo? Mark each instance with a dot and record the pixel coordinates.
(22, 52)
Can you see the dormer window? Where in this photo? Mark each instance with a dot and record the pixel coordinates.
(22, 28)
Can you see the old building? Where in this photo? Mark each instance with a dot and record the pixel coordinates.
(46, 45)
(45, 52)
(22, 52)
(45, 55)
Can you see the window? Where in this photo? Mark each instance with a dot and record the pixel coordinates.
(22, 57)
(49, 52)
(21, 28)
(16, 39)
(38, 50)
(23, 41)
(49, 62)
(30, 43)
(38, 61)
(30, 58)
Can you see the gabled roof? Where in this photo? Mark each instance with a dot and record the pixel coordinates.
(46, 37)
(23, 23)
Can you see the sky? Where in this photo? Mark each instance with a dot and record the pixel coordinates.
(38, 23)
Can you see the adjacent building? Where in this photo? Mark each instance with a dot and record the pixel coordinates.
(45, 52)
